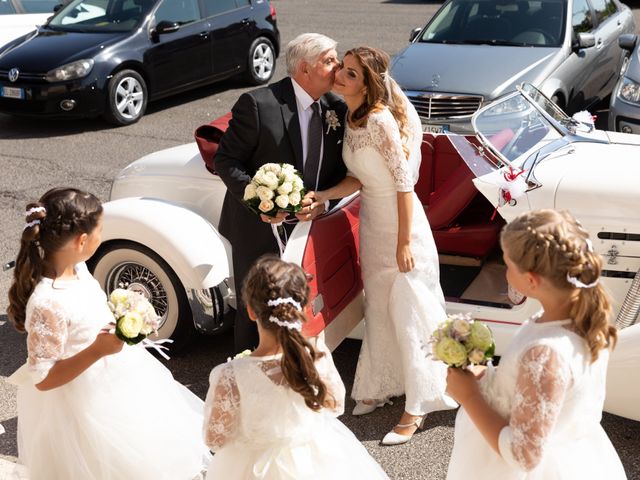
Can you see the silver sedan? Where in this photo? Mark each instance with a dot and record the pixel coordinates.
(473, 51)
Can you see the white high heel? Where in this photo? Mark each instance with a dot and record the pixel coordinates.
(393, 438)
(362, 407)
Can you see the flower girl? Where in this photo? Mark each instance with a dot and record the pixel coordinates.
(537, 416)
(89, 409)
(271, 414)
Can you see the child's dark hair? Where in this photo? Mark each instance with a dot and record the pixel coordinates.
(269, 279)
(554, 245)
(58, 216)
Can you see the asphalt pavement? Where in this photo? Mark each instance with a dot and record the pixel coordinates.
(37, 154)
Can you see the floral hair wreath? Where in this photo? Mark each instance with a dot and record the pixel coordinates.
(296, 325)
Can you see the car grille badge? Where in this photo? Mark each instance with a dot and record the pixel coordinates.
(435, 81)
(14, 73)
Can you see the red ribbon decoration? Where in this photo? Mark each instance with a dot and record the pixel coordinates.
(509, 176)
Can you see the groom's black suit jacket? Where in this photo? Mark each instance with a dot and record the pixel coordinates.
(264, 128)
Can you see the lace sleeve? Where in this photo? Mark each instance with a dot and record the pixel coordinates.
(47, 334)
(221, 408)
(385, 135)
(331, 378)
(542, 382)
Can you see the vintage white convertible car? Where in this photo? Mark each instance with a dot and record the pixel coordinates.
(160, 234)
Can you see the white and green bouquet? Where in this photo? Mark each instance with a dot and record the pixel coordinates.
(461, 341)
(135, 317)
(275, 187)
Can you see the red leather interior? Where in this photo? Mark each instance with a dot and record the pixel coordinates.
(331, 256)
(445, 188)
(208, 137)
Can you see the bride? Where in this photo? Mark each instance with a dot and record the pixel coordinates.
(403, 298)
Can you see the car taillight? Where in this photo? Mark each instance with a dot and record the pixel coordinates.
(272, 11)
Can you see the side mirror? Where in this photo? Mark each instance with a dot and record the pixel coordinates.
(166, 27)
(414, 33)
(585, 40)
(627, 41)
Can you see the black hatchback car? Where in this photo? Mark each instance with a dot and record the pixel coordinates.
(110, 57)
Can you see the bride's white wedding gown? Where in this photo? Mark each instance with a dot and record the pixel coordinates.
(123, 418)
(552, 396)
(401, 309)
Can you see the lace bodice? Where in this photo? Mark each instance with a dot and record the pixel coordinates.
(249, 401)
(374, 154)
(548, 390)
(63, 318)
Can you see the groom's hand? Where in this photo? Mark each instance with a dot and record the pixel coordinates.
(311, 207)
(279, 218)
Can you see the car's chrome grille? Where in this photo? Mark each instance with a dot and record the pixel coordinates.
(431, 105)
(24, 77)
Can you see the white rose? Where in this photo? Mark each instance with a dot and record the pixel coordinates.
(271, 167)
(294, 198)
(288, 176)
(131, 324)
(258, 178)
(460, 328)
(265, 206)
(285, 189)
(476, 356)
(271, 180)
(119, 296)
(282, 201)
(297, 184)
(264, 193)
(250, 191)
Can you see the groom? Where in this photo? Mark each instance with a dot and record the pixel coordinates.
(296, 121)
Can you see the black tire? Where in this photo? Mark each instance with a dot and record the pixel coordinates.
(126, 98)
(261, 61)
(130, 265)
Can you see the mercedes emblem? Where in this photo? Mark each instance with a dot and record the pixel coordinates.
(14, 73)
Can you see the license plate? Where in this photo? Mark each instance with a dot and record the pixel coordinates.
(12, 92)
(435, 128)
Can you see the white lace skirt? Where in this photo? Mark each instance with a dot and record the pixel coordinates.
(124, 418)
(401, 311)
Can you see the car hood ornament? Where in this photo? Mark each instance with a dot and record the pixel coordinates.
(14, 73)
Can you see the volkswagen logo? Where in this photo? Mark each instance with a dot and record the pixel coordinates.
(14, 73)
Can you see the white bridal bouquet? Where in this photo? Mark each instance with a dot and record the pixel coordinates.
(135, 316)
(462, 341)
(275, 187)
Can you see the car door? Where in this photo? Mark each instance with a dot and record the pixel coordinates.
(182, 57)
(610, 26)
(232, 25)
(327, 249)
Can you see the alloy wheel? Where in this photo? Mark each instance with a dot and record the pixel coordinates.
(129, 98)
(263, 61)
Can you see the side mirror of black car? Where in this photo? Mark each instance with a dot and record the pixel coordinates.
(167, 27)
(627, 41)
(414, 33)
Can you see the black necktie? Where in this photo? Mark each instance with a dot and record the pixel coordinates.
(314, 142)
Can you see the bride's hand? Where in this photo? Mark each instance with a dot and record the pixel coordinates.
(404, 257)
(313, 204)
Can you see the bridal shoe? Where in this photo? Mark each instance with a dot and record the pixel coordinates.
(362, 407)
(393, 438)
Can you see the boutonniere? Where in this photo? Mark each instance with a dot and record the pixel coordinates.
(331, 117)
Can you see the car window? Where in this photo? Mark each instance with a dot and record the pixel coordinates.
(216, 7)
(243, 3)
(581, 19)
(603, 9)
(6, 8)
(538, 23)
(39, 6)
(178, 11)
(101, 15)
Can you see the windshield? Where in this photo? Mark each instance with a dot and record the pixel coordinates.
(101, 15)
(537, 23)
(514, 127)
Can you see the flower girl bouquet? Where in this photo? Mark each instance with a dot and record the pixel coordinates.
(135, 316)
(275, 187)
(461, 341)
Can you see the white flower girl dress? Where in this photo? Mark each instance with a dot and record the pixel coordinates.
(261, 429)
(552, 396)
(123, 418)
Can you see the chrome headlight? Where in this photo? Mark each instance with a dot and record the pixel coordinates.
(629, 91)
(70, 71)
(512, 105)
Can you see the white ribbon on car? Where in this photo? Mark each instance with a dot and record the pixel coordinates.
(281, 244)
(158, 346)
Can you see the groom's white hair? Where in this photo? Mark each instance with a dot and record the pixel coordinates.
(307, 47)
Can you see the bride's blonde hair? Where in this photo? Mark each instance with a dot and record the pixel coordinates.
(555, 246)
(382, 90)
